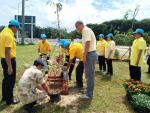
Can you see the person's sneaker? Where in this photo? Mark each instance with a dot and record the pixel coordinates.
(15, 101)
(104, 71)
(79, 87)
(109, 75)
(85, 97)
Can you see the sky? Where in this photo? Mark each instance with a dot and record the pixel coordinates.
(89, 11)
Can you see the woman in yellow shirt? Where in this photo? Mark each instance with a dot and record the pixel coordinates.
(109, 53)
(101, 44)
(137, 54)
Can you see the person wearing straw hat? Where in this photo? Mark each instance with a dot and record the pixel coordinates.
(101, 44)
(137, 53)
(8, 60)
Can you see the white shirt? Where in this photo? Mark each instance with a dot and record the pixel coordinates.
(31, 78)
(110, 46)
(88, 35)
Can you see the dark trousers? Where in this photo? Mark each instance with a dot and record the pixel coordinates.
(71, 66)
(109, 66)
(135, 72)
(79, 74)
(148, 68)
(8, 81)
(102, 64)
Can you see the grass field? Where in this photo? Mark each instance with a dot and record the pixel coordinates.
(109, 94)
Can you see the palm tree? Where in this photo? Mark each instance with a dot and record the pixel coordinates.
(59, 8)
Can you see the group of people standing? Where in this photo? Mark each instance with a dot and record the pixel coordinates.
(106, 48)
(86, 52)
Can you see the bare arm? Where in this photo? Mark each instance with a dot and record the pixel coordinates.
(8, 60)
(45, 87)
(139, 56)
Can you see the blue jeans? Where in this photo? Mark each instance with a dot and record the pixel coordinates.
(89, 66)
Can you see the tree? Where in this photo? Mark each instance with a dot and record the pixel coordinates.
(1, 28)
(59, 8)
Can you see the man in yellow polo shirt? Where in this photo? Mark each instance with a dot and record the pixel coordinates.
(44, 48)
(65, 52)
(75, 51)
(101, 44)
(8, 60)
(137, 54)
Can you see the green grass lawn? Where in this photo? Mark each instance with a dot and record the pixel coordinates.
(109, 94)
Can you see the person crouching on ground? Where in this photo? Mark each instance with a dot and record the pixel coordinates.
(75, 50)
(32, 80)
(44, 48)
(136, 55)
(101, 44)
(109, 53)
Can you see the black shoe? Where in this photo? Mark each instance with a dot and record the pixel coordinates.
(107, 73)
(15, 101)
(79, 87)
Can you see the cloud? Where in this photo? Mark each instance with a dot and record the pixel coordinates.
(89, 11)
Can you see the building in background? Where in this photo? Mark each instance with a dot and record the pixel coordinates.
(30, 22)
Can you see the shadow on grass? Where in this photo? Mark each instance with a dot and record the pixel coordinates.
(2, 106)
(97, 73)
(148, 75)
(44, 108)
(84, 104)
(126, 102)
(103, 76)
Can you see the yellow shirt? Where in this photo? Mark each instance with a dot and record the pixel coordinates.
(101, 47)
(63, 51)
(44, 48)
(76, 51)
(110, 46)
(7, 39)
(138, 44)
(88, 35)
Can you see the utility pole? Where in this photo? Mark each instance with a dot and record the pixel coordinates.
(23, 20)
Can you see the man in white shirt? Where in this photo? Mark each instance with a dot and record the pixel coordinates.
(89, 56)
